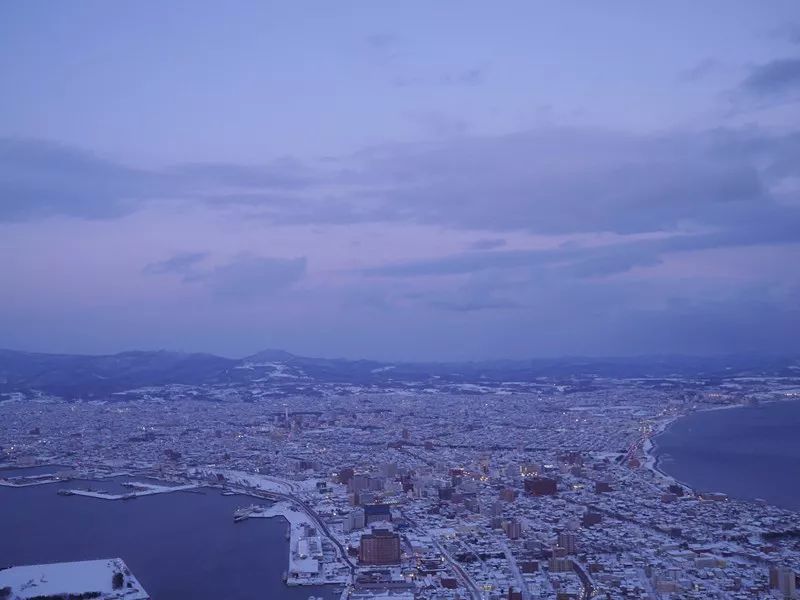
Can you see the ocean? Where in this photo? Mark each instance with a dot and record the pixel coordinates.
(179, 545)
(747, 452)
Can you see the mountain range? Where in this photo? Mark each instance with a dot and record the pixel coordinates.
(91, 376)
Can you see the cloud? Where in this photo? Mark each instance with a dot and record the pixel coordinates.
(487, 244)
(774, 77)
(40, 179)
(248, 277)
(184, 264)
(244, 277)
(598, 260)
(570, 181)
(733, 185)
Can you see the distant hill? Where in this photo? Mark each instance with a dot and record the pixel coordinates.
(86, 376)
(68, 374)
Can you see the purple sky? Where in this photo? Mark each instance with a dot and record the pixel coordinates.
(416, 180)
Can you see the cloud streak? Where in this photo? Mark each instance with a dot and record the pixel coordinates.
(774, 77)
(184, 264)
(245, 277)
(41, 179)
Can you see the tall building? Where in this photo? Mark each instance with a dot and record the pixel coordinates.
(784, 580)
(381, 547)
(567, 541)
(355, 520)
(559, 565)
(513, 529)
(358, 482)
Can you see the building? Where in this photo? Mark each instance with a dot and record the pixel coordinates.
(508, 494)
(530, 469)
(601, 487)
(541, 486)
(345, 475)
(529, 566)
(513, 529)
(590, 518)
(381, 547)
(784, 580)
(377, 512)
(358, 482)
(355, 520)
(567, 541)
(559, 565)
(472, 504)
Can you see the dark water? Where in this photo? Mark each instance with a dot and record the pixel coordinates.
(180, 546)
(747, 452)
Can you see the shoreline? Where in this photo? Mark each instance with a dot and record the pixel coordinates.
(653, 460)
(320, 580)
(304, 570)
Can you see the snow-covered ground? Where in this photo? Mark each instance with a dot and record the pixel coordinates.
(298, 521)
(73, 578)
(138, 489)
(29, 481)
(304, 569)
(265, 483)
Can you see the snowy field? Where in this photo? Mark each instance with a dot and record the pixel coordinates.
(91, 576)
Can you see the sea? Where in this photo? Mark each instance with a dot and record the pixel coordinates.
(178, 545)
(747, 452)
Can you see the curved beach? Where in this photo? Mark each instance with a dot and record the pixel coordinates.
(746, 452)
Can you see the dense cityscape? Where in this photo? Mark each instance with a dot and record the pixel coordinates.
(359, 300)
(524, 490)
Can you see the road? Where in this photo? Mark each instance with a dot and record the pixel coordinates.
(512, 562)
(588, 588)
(463, 576)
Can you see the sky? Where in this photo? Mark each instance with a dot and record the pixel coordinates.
(400, 181)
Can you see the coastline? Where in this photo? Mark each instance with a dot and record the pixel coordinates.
(650, 449)
(321, 588)
(653, 459)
